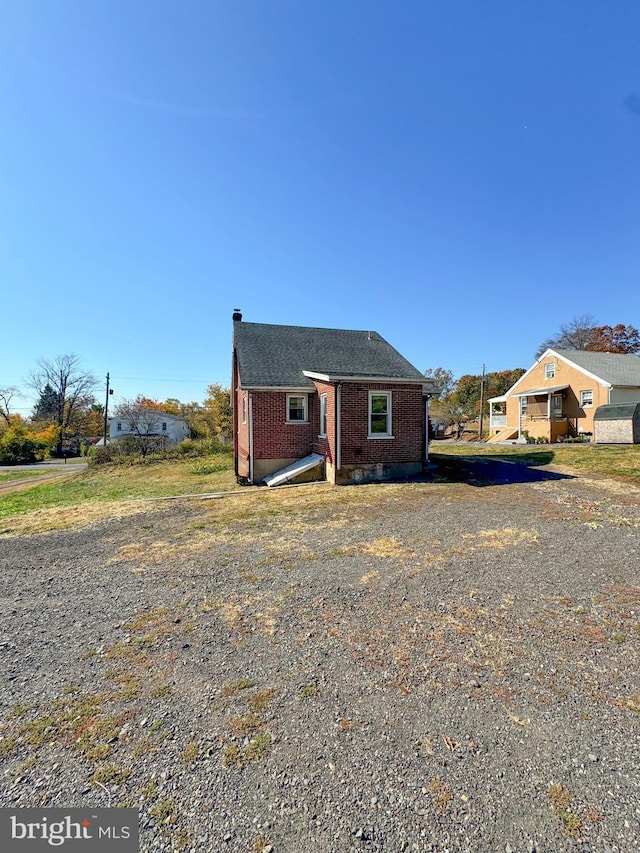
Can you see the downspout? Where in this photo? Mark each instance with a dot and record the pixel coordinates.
(250, 438)
(338, 426)
(426, 430)
(234, 393)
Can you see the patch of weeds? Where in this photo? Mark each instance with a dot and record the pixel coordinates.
(560, 800)
(261, 844)
(98, 752)
(236, 686)
(18, 710)
(155, 726)
(307, 691)
(92, 733)
(7, 746)
(162, 691)
(441, 794)
(632, 703)
(191, 752)
(129, 683)
(257, 748)
(38, 731)
(144, 746)
(150, 790)
(231, 755)
(245, 725)
(165, 811)
(182, 838)
(261, 700)
(90, 653)
(110, 774)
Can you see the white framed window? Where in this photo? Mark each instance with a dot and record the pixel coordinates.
(380, 414)
(550, 371)
(323, 415)
(586, 398)
(244, 409)
(524, 405)
(296, 408)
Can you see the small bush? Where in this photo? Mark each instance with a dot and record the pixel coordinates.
(17, 447)
(133, 449)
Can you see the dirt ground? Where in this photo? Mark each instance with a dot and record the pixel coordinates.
(444, 666)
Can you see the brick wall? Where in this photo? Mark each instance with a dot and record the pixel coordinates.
(326, 446)
(273, 437)
(407, 421)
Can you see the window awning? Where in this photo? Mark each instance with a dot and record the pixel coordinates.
(538, 392)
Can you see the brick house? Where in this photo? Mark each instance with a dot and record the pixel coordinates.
(560, 393)
(331, 404)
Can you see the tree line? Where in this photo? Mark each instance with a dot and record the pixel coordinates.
(67, 417)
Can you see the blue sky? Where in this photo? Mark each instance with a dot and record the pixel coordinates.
(462, 177)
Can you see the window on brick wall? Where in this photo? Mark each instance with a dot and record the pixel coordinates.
(296, 408)
(323, 415)
(379, 414)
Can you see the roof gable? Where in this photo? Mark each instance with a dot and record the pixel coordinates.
(274, 356)
(610, 367)
(607, 368)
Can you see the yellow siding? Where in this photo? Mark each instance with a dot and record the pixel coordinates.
(564, 374)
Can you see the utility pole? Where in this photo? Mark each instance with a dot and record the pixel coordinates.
(106, 412)
(481, 404)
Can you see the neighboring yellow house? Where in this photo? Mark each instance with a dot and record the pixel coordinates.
(559, 394)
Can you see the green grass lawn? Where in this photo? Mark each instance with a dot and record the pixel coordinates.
(8, 476)
(618, 462)
(102, 491)
(127, 482)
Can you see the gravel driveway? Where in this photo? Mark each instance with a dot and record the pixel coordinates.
(399, 667)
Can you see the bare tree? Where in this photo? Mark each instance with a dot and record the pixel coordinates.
(444, 379)
(6, 396)
(576, 334)
(144, 425)
(140, 419)
(73, 387)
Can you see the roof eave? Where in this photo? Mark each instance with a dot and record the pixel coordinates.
(336, 377)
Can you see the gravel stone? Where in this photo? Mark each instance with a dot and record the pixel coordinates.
(408, 667)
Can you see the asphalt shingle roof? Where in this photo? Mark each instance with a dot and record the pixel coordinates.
(612, 367)
(275, 356)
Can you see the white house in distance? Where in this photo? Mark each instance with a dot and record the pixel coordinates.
(149, 423)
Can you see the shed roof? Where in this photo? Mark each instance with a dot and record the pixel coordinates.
(614, 368)
(616, 411)
(274, 356)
